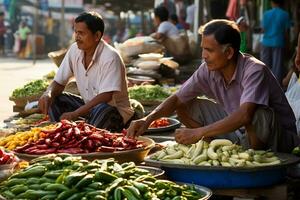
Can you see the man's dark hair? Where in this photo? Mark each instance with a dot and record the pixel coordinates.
(174, 18)
(93, 20)
(162, 13)
(224, 31)
(278, 2)
(1, 13)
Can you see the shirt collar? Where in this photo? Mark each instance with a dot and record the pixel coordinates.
(217, 76)
(96, 54)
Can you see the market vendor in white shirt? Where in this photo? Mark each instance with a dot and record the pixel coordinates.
(164, 27)
(100, 76)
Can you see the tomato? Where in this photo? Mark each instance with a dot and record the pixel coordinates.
(162, 122)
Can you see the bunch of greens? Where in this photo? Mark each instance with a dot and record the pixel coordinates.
(148, 92)
(50, 75)
(31, 88)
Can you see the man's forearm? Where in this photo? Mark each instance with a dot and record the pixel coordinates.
(55, 89)
(164, 109)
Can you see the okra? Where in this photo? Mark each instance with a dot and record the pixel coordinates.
(56, 187)
(15, 181)
(17, 189)
(118, 193)
(36, 171)
(66, 194)
(104, 176)
(88, 179)
(128, 194)
(76, 196)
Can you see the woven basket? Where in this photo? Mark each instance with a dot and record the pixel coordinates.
(57, 56)
(21, 102)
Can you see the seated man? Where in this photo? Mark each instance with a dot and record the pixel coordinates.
(165, 28)
(246, 97)
(100, 76)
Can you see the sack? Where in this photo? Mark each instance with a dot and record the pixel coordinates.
(138, 45)
(17, 45)
(293, 96)
(178, 47)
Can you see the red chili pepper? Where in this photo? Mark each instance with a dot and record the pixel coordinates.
(63, 140)
(70, 150)
(87, 130)
(21, 148)
(4, 159)
(106, 149)
(109, 135)
(69, 133)
(130, 141)
(56, 137)
(28, 150)
(124, 144)
(40, 141)
(1, 152)
(54, 144)
(90, 145)
(120, 149)
(124, 132)
(43, 151)
(96, 136)
(76, 132)
(42, 146)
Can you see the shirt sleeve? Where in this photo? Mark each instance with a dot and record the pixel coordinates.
(65, 71)
(112, 78)
(196, 85)
(162, 28)
(255, 87)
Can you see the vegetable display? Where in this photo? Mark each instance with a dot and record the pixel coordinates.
(33, 119)
(32, 88)
(68, 177)
(148, 92)
(219, 152)
(79, 137)
(162, 122)
(10, 142)
(7, 157)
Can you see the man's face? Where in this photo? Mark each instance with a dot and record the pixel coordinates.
(84, 38)
(156, 21)
(213, 53)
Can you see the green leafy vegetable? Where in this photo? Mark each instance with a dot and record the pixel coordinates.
(148, 92)
(31, 88)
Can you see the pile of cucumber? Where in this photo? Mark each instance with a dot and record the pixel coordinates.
(219, 152)
(69, 177)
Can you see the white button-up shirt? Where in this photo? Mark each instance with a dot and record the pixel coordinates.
(105, 73)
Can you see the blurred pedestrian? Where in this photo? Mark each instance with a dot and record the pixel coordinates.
(2, 32)
(181, 13)
(169, 5)
(190, 15)
(243, 26)
(165, 28)
(23, 33)
(275, 25)
(174, 20)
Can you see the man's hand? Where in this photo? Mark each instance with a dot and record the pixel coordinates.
(187, 135)
(45, 102)
(137, 128)
(69, 116)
